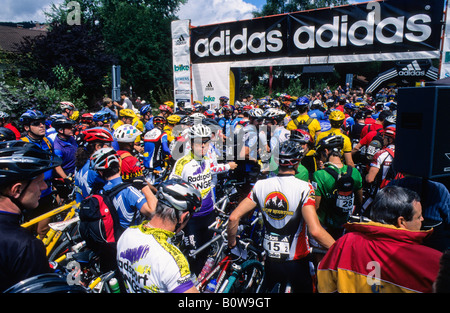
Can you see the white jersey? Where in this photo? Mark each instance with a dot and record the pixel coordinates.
(149, 263)
(281, 199)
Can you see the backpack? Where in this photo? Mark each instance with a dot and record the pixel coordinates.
(99, 220)
(303, 124)
(392, 174)
(343, 192)
(374, 146)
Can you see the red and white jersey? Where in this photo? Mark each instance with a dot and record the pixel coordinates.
(383, 160)
(281, 199)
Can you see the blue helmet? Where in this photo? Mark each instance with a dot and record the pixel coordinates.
(31, 115)
(102, 116)
(145, 109)
(302, 101)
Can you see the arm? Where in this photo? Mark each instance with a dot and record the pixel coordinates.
(243, 208)
(373, 171)
(315, 229)
(149, 208)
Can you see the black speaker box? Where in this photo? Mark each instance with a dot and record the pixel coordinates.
(422, 145)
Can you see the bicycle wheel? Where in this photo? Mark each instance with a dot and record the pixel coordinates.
(248, 279)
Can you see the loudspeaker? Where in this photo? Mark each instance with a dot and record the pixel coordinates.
(422, 144)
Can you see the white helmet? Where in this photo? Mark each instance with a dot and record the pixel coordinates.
(126, 133)
(200, 131)
(256, 113)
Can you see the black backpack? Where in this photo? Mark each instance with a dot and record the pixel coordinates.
(302, 124)
(343, 192)
(99, 220)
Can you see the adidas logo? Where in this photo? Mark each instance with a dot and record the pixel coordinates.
(180, 41)
(209, 87)
(412, 69)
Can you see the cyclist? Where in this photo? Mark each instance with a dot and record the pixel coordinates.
(33, 122)
(22, 168)
(6, 134)
(65, 145)
(130, 166)
(86, 179)
(333, 205)
(304, 120)
(146, 258)
(67, 108)
(288, 209)
(196, 168)
(226, 121)
(336, 120)
(130, 203)
(110, 106)
(126, 116)
(156, 146)
(147, 117)
(5, 122)
(172, 120)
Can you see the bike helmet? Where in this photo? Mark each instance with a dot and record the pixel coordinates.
(75, 115)
(102, 116)
(102, 159)
(336, 118)
(165, 108)
(300, 135)
(30, 116)
(173, 119)
(6, 134)
(180, 195)
(200, 131)
(255, 113)
(209, 113)
(3, 115)
(62, 122)
(20, 160)
(127, 113)
(45, 283)
(145, 109)
(86, 118)
(224, 99)
(169, 104)
(274, 114)
(390, 132)
(331, 142)
(126, 133)
(302, 101)
(67, 105)
(97, 134)
(159, 120)
(289, 154)
(390, 119)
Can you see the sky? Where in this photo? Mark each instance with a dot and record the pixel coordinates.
(200, 12)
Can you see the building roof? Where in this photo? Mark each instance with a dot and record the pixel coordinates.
(10, 36)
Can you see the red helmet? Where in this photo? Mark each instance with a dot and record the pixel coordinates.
(86, 118)
(165, 108)
(97, 134)
(159, 120)
(390, 132)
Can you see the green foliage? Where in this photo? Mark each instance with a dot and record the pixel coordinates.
(70, 87)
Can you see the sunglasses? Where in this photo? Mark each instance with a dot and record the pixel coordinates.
(37, 123)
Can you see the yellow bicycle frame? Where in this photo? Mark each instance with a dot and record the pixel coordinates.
(52, 236)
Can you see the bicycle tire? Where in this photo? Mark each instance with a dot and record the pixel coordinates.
(239, 282)
(63, 248)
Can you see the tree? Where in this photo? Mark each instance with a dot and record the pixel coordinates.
(138, 33)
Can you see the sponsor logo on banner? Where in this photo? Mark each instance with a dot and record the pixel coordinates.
(209, 87)
(388, 26)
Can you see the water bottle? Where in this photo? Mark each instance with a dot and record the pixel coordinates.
(211, 287)
(114, 285)
(206, 269)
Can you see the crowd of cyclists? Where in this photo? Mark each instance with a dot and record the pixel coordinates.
(309, 163)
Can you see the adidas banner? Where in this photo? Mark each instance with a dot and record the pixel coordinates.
(210, 81)
(181, 62)
(371, 31)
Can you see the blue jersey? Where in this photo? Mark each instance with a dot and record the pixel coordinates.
(128, 202)
(66, 150)
(85, 180)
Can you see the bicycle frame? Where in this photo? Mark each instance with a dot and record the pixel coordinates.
(52, 236)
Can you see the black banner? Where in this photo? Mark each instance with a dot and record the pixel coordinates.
(393, 26)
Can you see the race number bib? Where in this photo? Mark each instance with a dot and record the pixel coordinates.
(345, 202)
(277, 246)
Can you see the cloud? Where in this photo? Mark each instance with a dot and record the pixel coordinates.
(203, 12)
(25, 10)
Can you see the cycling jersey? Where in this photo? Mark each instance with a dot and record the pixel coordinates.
(337, 131)
(22, 255)
(66, 150)
(128, 202)
(156, 147)
(281, 200)
(383, 160)
(150, 263)
(199, 173)
(313, 126)
(130, 167)
(85, 180)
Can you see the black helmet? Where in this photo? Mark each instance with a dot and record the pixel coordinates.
(45, 283)
(20, 160)
(62, 122)
(290, 152)
(331, 142)
(6, 134)
(180, 195)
